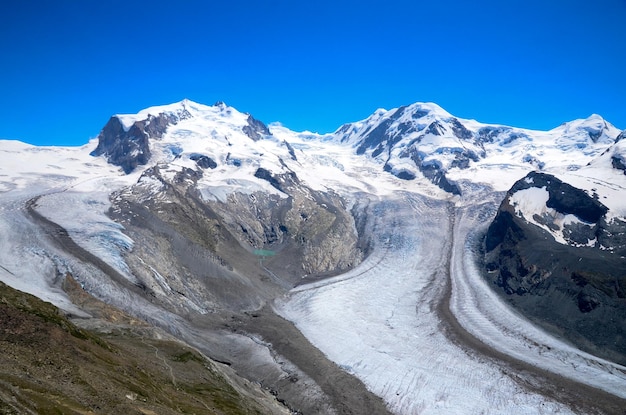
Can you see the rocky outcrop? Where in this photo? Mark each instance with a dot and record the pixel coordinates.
(382, 139)
(562, 198)
(203, 161)
(233, 242)
(124, 148)
(618, 163)
(618, 159)
(255, 129)
(130, 147)
(292, 152)
(380, 136)
(431, 170)
(312, 232)
(568, 277)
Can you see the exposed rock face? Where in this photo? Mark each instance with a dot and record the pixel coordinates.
(130, 147)
(203, 161)
(568, 275)
(298, 233)
(382, 139)
(292, 152)
(313, 226)
(255, 129)
(126, 149)
(432, 171)
(380, 136)
(618, 158)
(218, 261)
(183, 258)
(618, 163)
(562, 198)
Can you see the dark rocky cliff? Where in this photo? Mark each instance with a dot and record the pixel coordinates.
(576, 291)
(129, 148)
(618, 160)
(255, 129)
(126, 149)
(244, 246)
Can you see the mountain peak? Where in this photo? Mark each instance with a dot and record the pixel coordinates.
(178, 110)
(414, 111)
(594, 117)
(593, 127)
(428, 108)
(592, 120)
(127, 139)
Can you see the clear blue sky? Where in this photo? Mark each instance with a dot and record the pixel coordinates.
(67, 66)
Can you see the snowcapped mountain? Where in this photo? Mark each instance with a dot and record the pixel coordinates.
(127, 140)
(425, 139)
(261, 247)
(417, 141)
(560, 256)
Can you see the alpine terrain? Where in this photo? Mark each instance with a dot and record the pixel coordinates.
(199, 261)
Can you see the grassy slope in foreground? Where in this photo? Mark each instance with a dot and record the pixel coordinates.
(50, 366)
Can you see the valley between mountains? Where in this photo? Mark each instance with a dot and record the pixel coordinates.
(409, 263)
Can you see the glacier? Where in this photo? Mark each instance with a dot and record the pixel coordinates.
(406, 320)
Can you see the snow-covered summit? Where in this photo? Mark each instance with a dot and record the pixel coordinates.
(129, 140)
(400, 120)
(187, 109)
(177, 109)
(423, 139)
(593, 127)
(414, 142)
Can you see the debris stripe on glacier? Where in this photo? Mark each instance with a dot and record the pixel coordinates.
(381, 324)
(480, 311)
(27, 262)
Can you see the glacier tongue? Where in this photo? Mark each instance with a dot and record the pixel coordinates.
(381, 322)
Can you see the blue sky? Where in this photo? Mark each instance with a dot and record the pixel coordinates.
(67, 66)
